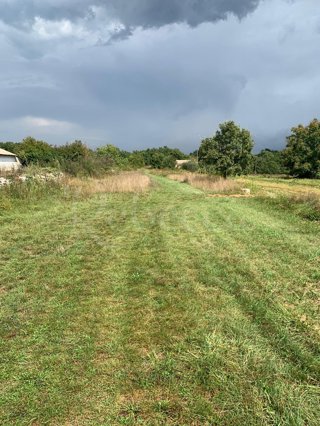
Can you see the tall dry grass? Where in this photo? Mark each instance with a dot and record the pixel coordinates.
(213, 184)
(120, 182)
(307, 204)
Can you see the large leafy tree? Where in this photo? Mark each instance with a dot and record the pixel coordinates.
(228, 153)
(302, 154)
(269, 162)
(32, 151)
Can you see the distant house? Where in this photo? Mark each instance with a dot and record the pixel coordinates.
(180, 163)
(8, 161)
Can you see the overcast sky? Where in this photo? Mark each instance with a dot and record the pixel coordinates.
(141, 73)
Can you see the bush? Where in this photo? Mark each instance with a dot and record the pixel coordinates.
(89, 166)
(192, 166)
(77, 159)
(113, 156)
(162, 158)
(269, 162)
(23, 194)
(32, 151)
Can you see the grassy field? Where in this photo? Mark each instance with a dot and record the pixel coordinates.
(288, 186)
(161, 307)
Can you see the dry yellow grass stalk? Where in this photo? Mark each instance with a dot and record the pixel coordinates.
(121, 182)
(214, 184)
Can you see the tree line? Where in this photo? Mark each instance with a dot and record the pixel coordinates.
(78, 159)
(227, 153)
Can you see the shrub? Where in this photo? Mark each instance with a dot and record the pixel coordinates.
(191, 166)
(23, 194)
(113, 156)
(32, 151)
(162, 158)
(269, 162)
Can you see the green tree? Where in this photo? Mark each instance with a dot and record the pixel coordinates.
(302, 154)
(114, 155)
(228, 153)
(136, 160)
(191, 166)
(163, 157)
(32, 151)
(78, 160)
(11, 147)
(74, 151)
(269, 162)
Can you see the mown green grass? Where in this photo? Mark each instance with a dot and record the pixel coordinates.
(282, 184)
(163, 308)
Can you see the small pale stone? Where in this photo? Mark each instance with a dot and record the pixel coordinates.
(303, 318)
(246, 191)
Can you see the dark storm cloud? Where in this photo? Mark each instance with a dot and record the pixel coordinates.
(61, 78)
(193, 12)
(132, 13)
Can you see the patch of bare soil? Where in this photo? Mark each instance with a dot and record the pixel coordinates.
(230, 196)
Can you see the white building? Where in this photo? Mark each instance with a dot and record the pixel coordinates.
(8, 161)
(180, 163)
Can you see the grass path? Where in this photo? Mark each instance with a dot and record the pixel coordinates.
(166, 308)
(284, 186)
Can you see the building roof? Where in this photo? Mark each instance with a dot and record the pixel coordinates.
(183, 161)
(4, 152)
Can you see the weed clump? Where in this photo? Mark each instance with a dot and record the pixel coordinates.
(32, 189)
(305, 205)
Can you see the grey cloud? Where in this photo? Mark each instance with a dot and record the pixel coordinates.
(23, 12)
(133, 13)
(193, 12)
(276, 140)
(122, 34)
(165, 84)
